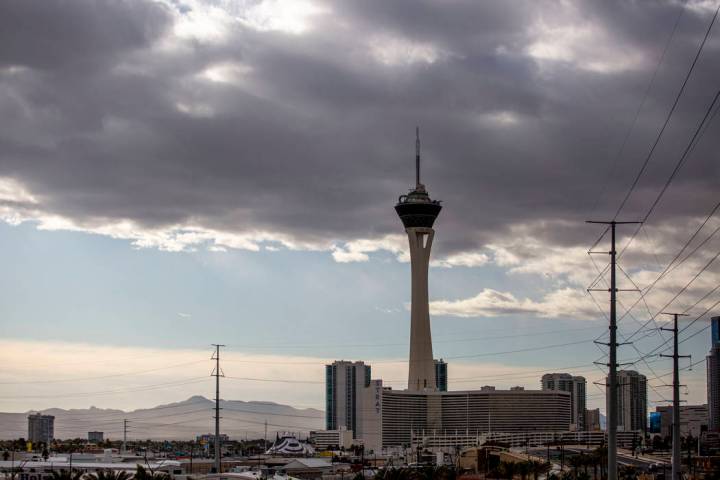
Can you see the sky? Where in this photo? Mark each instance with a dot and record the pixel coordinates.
(180, 173)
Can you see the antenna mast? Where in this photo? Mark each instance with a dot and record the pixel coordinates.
(417, 157)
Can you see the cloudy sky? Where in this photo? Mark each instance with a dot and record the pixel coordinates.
(180, 173)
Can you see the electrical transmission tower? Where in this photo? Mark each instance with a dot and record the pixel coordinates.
(217, 373)
(612, 411)
(676, 465)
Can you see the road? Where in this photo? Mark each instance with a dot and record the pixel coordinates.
(625, 457)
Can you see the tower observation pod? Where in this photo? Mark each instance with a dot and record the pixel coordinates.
(418, 213)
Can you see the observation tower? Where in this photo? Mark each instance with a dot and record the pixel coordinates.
(418, 213)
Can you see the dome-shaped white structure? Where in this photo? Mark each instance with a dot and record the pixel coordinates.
(289, 445)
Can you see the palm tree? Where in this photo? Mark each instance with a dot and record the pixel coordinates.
(539, 468)
(601, 453)
(67, 475)
(575, 462)
(594, 461)
(147, 474)
(628, 472)
(523, 468)
(392, 474)
(110, 475)
(507, 469)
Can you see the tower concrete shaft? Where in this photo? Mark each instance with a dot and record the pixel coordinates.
(421, 374)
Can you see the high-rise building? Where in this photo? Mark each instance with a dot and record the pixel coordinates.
(96, 437)
(344, 381)
(713, 376)
(418, 213)
(565, 382)
(41, 428)
(592, 420)
(441, 377)
(632, 400)
(655, 422)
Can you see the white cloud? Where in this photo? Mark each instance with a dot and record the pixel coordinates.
(522, 251)
(199, 110)
(226, 72)
(358, 250)
(397, 244)
(287, 16)
(12, 191)
(577, 41)
(462, 259)
(500, 118)
(19, 205)
(393, 50)
(203, 23)
(565, 303)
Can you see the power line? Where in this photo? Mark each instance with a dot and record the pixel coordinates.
(673, 265)
(646, 94)
(101, 377)
(701, 128)
(682, 290)
(685, 328)
(462, 340)
(543, 347)
(667, 119)
(110, 392)
(683, 158)
(125, 414)
(699, 132)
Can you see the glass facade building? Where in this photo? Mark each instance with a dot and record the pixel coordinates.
(344, 382)
(713, 376)
(441, 375)
(41, 428)
(655, 422)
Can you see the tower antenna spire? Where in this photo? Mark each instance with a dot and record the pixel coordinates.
(417, 157)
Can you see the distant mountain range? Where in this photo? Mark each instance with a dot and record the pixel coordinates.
(181, 420)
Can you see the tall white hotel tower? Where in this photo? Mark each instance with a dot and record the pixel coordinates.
(418, 213)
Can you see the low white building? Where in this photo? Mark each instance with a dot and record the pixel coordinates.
(693, 419)
(326, 439)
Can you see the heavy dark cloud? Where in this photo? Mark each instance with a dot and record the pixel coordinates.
(117, 111)
(60, 35)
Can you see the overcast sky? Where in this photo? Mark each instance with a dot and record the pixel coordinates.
(182, 172)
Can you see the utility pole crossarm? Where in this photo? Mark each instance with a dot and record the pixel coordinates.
(611, 222)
